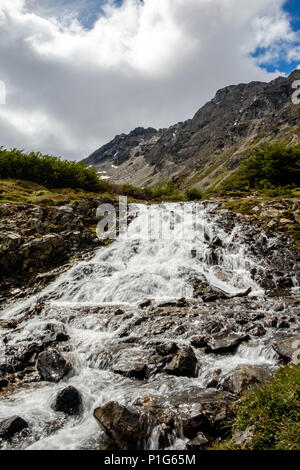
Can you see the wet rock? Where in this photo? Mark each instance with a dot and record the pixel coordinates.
(199, 341)
(198, 443)
(282, 324)
(190, 412)
(184, 363)
(257, 330)
(52, 366)
(244, 378)
(127, 427)
(165, 349)
(146, 303)
(68, 401)
(132, 363)
(287, 348)
(57, 332)
(3, 383)
(10, 426)
(225, 344)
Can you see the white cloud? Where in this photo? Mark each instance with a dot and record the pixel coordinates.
(70, 89)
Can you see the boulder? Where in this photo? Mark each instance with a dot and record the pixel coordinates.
(52, 366)
(221, 344)
(287, 348)
(10, 426)
(198, 443)
(244, 378)
(132, 363)
(184, 363)
(68, 401)
(126, 426)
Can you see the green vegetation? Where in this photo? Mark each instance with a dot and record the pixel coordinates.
(48, 171)
(273, 412)
(274, 168)
(193, 194)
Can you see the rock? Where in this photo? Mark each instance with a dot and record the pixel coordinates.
(243, 438)
(146, 303)
(282, 324)
(225, 344)
(10, 426)
(199, 341)
(198, 443)
(3, 383)
(258, 330)
(68, 401)
(191, 412)
(287, 348)
(132, 363)
(165, 349)
(278, 307)
(184, 363)
(244, 378)
(297, 216)
(52, 366)
(127, 427)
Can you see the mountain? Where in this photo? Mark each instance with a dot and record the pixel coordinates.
(204, 150)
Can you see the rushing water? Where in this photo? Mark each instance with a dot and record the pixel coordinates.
(155, 259)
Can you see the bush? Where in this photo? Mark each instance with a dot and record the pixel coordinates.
(48, 171)
(193, 194)
(267, 168)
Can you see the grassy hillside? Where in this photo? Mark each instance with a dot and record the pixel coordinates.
(273, 414)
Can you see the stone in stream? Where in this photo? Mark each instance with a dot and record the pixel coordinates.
(287, 348)
(189, 412)
(68, 401)
(244, 378)
(184, 363)
(52, 366)
(221, 344)
(126, 426)
(3, 382)
(145, 303)
(10, 426)
(132, 363)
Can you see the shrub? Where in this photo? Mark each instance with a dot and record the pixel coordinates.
(48, 171)
(193, 194)
(267, 168)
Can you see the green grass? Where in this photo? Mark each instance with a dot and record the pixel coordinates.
(273, 411)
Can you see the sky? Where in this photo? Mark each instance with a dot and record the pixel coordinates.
(78, 72)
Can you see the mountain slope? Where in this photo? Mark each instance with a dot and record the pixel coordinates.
(202, 151)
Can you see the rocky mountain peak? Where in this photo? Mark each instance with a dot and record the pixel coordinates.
(205, 149)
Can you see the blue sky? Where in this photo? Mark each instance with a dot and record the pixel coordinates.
(292, 7)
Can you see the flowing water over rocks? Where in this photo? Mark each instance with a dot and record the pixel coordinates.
(155, 336)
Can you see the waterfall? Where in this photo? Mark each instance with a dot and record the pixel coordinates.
(164, 246)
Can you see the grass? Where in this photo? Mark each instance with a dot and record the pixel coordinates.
(273, 411)
(27, 192)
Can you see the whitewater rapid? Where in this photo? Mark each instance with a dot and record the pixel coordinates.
(164, 245)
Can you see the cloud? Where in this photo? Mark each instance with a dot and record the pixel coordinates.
(71, 89)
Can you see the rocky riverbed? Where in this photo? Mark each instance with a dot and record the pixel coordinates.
(150, 343)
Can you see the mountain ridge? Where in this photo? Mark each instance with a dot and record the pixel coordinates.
(204, 150)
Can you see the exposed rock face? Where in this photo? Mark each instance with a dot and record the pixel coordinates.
(10, 426)
(68, 401)
(214, 141)
(244, 378)
(127, 427)
(198, 443)
(287, 348)
(35, 239)
(52, 366)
